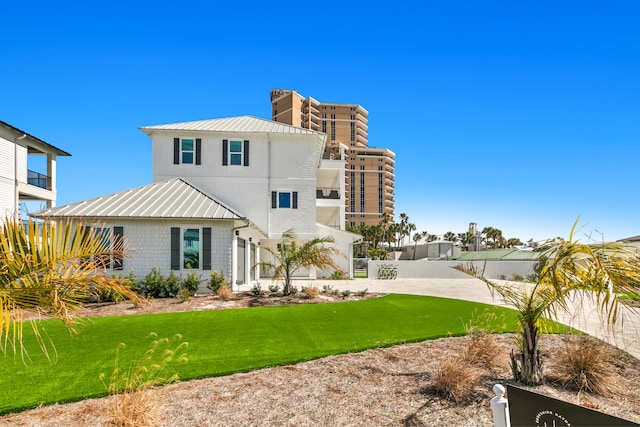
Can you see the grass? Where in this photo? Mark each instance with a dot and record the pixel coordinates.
(227, 341)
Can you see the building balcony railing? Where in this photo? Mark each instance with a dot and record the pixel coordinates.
(327, 193)
(38, 180)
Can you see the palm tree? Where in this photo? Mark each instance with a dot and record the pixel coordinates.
(292, 255)
(416, 238)
(467, 238)
(450, 236)
(52, 269)
(568, 271)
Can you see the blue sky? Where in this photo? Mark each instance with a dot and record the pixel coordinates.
(519, 116)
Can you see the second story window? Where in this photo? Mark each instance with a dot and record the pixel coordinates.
(186, 151)
(284, 200)
(235, 152)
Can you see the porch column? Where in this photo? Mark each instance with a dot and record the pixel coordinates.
(257, 266)
(247, 261)
(234, 261)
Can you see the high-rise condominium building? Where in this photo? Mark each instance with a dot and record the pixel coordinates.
(369, 171)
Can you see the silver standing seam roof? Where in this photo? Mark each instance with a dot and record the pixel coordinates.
(173, 198)
(245, 124)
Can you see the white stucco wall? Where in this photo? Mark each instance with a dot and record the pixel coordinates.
(278, 162)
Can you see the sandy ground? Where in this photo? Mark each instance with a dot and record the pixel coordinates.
(388, 386)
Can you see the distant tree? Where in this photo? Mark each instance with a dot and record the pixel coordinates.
(416, 238)
(467, 238)
(450, 236)
(432, 238)
(514, 241)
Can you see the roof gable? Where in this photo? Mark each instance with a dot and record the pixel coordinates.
(173, 198)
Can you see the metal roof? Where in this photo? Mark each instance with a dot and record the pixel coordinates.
(15, 130)
(173, 198)
(244, 124)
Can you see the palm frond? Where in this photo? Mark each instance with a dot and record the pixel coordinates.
(51, 269)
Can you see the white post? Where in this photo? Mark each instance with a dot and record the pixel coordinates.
(500, 406)
(234, 262)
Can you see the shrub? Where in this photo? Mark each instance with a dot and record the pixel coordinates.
(586, 364)
(338, 275)
(192, 283)
(153, 284)
(483, 350)
(363, 292)
(172, 286)
(327, 289)
(256, 290)
(455, 379)
(517, 278)
(311, 292)
(346, 293)
(131, 403)
(225, 292)
(216, 280)
(274, 288)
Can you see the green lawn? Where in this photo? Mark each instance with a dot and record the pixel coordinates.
(226, 341)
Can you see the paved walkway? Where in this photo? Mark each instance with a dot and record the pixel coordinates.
(625, 335)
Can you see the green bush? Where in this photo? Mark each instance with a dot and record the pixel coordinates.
(216, 280)
(338, 275)
(172, 286)
(156, 285)
(192, 283)
(274, 288)
(256, 290)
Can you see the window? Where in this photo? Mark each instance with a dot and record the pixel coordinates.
(284, 200)
(333, 131)
(191, 248)
(353, 131)
(186, 151)
(235, 153)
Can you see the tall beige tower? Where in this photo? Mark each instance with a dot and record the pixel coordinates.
(369, 187)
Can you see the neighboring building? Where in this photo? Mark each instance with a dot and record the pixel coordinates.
(22, 177)
(222, 189)
(369, 171)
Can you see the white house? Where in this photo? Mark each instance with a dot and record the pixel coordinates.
(27, 170)
(222, 190)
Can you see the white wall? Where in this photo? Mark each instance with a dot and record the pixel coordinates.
(277, 163)
(149, 245)
(445, 269)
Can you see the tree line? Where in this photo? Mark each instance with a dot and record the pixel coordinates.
(386, 236)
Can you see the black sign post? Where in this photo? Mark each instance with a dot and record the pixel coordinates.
(527, 408)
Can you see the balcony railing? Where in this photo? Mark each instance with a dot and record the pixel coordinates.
(327, 193)
(38, 180)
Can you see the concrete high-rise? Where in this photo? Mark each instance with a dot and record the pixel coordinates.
(369, 174)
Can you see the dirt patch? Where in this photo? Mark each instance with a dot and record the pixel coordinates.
(386, 386)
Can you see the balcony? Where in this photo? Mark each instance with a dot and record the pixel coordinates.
(327, 193)
(38, 180)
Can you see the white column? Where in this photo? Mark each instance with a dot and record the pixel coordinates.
(257, 266)
(247, 261)
(51, 173)
(234, 262)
